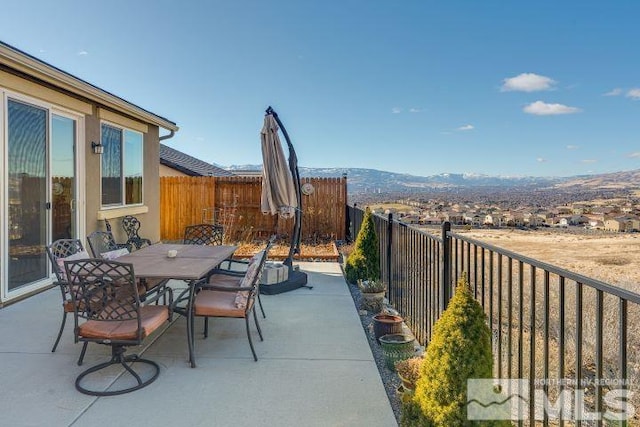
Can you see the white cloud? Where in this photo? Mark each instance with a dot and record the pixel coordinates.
(541, 160)
(527, 82)
(540, 108)
(466, 127)
(572, 147)
(613, 92)
(634, 155)
(83, 52)
(416, 110)
(589, 161)
(396, 110)
(634, 94)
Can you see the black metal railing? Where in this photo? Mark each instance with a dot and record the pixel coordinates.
(547, 323)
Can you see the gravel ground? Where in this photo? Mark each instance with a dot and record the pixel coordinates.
(389, 379)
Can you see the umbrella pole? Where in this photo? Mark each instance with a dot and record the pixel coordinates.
(294, 247)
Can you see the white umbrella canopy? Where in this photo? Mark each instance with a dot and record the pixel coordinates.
(278, 189)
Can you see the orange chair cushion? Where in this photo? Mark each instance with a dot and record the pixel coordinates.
(217, 304)
(153, 316)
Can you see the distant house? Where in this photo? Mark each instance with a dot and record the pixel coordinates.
(631, 223)
(493, 219)
(177, 163)
(614, 224)
(578, 220)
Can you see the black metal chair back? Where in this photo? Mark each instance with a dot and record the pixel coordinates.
(60, 249)
(203, 234)
(131, 226)
(101, 242)
(104, 291)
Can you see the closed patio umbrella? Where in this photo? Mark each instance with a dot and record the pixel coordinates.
(278, 189)
(281, 193)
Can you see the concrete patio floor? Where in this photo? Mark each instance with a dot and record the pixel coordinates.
(315, 367)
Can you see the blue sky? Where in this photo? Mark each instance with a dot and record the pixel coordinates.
(423, 87)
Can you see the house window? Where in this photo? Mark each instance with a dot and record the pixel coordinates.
(122, 164)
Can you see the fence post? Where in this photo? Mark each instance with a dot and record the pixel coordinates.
(389, 242)
(445, 291)
(347, 223)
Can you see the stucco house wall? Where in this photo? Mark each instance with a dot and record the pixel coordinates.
(29, 80)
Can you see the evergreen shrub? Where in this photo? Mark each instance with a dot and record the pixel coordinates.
(459, 350)
(363, 262)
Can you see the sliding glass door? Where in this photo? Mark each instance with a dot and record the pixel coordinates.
(41, 188)
(63, 182)
(27, 170)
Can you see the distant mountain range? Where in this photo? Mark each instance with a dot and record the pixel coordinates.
(376, 181)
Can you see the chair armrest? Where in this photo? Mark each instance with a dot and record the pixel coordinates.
(225, 272)
(230, 262)
(158, 291)
(226, 288)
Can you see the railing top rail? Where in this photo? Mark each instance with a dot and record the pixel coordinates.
(593, 283)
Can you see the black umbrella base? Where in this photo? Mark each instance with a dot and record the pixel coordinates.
(297, 279)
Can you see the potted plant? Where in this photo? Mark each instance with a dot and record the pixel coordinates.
(372, 294)
(386, 323)
(396, 347)
(409, 371)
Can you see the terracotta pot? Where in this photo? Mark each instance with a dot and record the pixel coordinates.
(384, 324)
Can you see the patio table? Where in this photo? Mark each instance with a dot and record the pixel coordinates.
(191, 264)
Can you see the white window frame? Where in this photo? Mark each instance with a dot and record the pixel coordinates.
(122, 204)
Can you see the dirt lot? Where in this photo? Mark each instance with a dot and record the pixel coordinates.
(612, 258)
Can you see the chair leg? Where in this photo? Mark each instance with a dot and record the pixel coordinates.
(64, 320)
(255, 358)
(261, 309)
(206, 327)
(255, 319)
(118, 357)
(190, 339)
(82, 353)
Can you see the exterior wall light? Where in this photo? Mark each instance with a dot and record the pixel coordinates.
(97, 148)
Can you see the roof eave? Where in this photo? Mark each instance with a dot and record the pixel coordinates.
(50, 74)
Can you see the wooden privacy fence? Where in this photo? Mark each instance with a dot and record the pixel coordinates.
(234, 202)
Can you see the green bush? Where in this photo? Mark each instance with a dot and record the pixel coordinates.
(410, 413)
(460, 349)
(364, 260)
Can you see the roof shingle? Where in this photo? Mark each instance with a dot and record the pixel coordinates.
(189, 165)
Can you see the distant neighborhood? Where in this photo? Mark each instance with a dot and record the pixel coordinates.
(612, 216)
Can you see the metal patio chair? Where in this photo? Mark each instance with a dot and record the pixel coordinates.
(203, 234)
(59, 251)
(209, 300)
(101, 242)
(232, 276)
(131, 226)
(106, 297)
